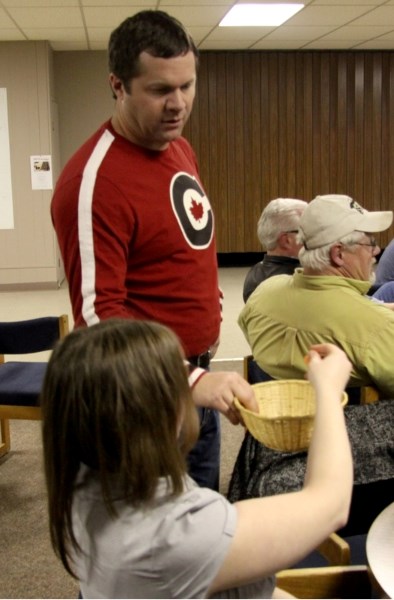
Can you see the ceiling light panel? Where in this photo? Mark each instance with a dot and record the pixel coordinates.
(259, 15)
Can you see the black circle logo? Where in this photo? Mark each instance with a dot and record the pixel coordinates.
(192, 210)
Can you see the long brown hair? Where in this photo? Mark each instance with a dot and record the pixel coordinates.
(116, 398)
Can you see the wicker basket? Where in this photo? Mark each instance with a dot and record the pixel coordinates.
(285, 420)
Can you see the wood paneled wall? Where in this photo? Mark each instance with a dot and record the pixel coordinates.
(294, 124)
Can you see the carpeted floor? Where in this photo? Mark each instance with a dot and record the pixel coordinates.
(28, 567)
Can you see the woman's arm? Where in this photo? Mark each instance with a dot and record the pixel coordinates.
(275, 532)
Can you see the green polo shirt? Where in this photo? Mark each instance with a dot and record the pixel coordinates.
(286, 314)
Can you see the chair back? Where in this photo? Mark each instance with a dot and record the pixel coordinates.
(31, 335)
(21, 382)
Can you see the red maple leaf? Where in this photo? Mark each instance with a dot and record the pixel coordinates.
(197, 210)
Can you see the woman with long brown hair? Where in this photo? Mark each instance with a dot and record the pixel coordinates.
(125, 518)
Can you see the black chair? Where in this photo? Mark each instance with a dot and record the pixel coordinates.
(21, 381)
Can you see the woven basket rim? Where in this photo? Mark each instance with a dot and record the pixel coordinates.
(292, 383)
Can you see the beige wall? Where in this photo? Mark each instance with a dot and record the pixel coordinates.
(83, 97)
(28, 253)
(55, 102)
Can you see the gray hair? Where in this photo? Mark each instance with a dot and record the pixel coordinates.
(281, 214)
(319, 259)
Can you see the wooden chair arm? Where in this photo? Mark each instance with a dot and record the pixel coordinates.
(326, 582)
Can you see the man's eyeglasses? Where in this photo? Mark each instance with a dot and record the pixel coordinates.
(373, 243)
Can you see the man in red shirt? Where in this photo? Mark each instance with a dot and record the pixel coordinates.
(134, 225)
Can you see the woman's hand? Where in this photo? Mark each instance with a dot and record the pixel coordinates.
(328, 368)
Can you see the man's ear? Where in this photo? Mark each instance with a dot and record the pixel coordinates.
(336, 255)
(116, 85)
(283, 241)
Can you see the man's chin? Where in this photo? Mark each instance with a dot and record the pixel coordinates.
(161, 142)
(172, 133)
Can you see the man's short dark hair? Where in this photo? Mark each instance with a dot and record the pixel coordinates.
(152, 31)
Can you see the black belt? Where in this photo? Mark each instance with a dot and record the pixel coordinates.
(201, 360)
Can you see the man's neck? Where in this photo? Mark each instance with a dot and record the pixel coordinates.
(330, 270)
(128, 134)
(279, 252)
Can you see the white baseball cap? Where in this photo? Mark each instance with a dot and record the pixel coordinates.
(328, 218)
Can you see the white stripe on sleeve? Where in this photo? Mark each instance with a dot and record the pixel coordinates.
(85, 228)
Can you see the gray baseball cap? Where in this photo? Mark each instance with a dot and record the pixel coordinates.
(328, 218)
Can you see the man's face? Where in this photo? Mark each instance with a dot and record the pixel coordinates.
(160, 100)
(360, 258)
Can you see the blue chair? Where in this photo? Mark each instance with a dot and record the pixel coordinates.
(20, 381)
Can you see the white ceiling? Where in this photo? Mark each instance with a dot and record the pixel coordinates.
(86, 24)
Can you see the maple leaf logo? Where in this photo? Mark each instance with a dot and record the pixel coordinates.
(197, 210)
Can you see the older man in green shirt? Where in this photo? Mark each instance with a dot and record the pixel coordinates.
(325, 301)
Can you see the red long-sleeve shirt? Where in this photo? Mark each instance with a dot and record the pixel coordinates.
(136, 233)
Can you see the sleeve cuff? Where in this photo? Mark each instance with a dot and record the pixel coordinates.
(195, 373)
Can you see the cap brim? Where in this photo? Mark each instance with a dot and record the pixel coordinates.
(374, 222)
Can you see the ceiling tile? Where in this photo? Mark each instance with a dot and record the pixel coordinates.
(323, 44)
(379, 16)
(326, 15)
(99, 34)
(341, 3)
(39, 3)
(167, 4)
(357, 33)
(11, 35)
(239, 33)
(198, 15)
(267, 44)
(57, 34)
(47, 17)
(223, 45)
(322, 23)
(5, 21)
(298, 33)
(116, 3)
(376, 45)
(388, 36)
(199, 33)
(101, 16)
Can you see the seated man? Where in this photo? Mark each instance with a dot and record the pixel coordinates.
(325, 302)
(385, 267)
(277, 229)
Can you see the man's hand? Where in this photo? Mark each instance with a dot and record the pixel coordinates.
(217, 390)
